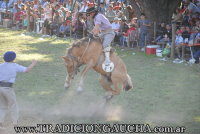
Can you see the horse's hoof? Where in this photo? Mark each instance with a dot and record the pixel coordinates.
(108, 98)
(66, 86)
(79, 90)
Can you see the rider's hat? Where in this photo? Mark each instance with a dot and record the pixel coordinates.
(9, 56)
(91, 10)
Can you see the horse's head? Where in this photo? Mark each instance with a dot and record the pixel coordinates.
(72, 68)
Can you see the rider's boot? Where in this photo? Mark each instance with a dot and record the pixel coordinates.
(107, 56)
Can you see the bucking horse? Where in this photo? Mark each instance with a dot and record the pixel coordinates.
(89, 52)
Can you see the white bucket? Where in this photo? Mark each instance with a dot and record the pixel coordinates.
(153, 46)
(159, 52)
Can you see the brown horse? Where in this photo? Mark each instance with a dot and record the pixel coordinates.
(89, 52)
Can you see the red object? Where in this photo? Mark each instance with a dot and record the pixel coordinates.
(68, 21)
(129, 31)
(116, 7)
(91, 4)
(151, 50)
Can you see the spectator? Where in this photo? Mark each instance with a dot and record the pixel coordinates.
(79, 26)
(69, 5)
(192, 7)
(121, 15)
(116, 25)
(196, 55)
(133, 35)
(63, 30)
(15, 8)
(197, 38)
(130, 13)
(110, 14)
(178, 42)
(186, 34)
(102, 9)
(47, 18)
(168, 31)
(84, 7)
(11, 3)
(143, 25)
(36, 4)
(44, 3)
(186, 18)
(160, 32)
(3, 4)
(54, 26)
(117, 9)
(122, 30)
(19, 3)
(18, 17)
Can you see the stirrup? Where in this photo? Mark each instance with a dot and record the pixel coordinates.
(108, 67)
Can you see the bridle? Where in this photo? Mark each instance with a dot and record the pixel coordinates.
(78, 60)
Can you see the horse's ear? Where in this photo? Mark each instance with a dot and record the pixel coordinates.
(66, 59)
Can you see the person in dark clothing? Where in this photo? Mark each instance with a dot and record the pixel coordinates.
(160, 32)
(122, 30)
(185, 35)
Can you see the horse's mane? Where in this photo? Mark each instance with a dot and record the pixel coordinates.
(82, 42)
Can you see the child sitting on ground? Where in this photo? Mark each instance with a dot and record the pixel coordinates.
(8, 72)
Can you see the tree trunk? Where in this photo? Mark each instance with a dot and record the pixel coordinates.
(156, 10)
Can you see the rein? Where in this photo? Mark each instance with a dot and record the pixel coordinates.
(76, 70)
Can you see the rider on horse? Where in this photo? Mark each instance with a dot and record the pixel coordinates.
(103, 26)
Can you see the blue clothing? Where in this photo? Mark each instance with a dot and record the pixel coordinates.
(143, 36)
(9, 70)
(197, 54)
(63, 28)
(143, 31)
(3, 5)
(102, 10)
(179, 40)
(141, 25)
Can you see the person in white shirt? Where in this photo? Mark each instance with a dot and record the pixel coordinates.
(8, 72)
(84, 7)
(115, 25)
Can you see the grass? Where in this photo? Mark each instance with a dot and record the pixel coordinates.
(164, 93)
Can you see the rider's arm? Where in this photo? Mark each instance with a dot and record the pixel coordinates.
(96, 29)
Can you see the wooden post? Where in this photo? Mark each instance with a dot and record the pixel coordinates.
(28, 26)
(154, 30)
(70, 31)
(183, 52)
(173, 40)
(128, 41)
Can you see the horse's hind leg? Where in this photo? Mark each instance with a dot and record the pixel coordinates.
(106, 84)
(117, 83)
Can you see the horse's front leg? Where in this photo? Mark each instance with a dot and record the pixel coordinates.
(80, 86)
(67, 82)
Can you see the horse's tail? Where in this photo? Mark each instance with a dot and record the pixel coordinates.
(128, 83)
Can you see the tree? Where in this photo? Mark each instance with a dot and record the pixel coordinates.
(155, 10)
